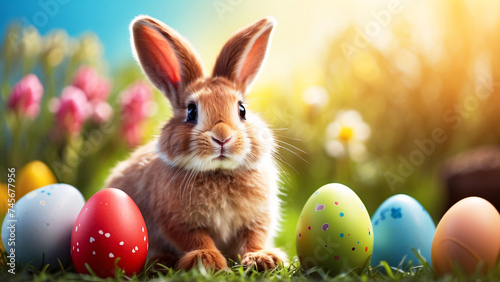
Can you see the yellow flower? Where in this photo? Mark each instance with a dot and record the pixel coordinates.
(346, 135)
(55, 47)
(88, 49)
(30, 42)
(32, 176)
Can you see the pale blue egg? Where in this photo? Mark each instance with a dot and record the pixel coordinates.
(400, 224)
(42, 223)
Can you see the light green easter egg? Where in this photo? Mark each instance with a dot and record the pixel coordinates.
(334, 231)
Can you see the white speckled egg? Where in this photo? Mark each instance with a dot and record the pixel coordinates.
(43, 223)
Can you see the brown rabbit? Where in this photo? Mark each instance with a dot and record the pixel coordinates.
(207, 187)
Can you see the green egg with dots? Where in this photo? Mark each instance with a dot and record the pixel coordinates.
(334, 231)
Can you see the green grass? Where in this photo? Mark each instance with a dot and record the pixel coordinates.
(288, 272)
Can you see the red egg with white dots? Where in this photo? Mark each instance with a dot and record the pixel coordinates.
(110, 227)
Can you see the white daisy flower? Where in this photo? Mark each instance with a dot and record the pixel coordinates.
(316, 96)
(346, 135)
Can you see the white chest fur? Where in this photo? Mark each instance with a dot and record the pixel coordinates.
(226, 205)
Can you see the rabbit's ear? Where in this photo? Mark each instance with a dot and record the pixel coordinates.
(167, 59)
(243, 55)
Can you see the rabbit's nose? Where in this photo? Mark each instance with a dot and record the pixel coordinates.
(221, 142)
(221, 133)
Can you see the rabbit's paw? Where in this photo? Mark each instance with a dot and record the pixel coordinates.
(263, 259)
(211, 259)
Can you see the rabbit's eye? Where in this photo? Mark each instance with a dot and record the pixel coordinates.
(192, 113)
(242, 110)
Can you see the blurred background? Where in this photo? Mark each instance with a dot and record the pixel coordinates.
(377, 95)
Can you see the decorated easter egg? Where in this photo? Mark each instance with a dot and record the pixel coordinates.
(467, 235)
(110, 229)
(4, 188)
(334, 231)
(32, 176)
(401, 224)
(3, 204)
(38, 231)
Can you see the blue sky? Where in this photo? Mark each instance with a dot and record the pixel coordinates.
(303, 31)
(108, 19)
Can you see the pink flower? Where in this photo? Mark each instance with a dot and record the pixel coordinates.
(95, 88)
(136, 103)
(133, 134)
(26, 95)
(73, 110)
(101, 112)
(96, 91)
